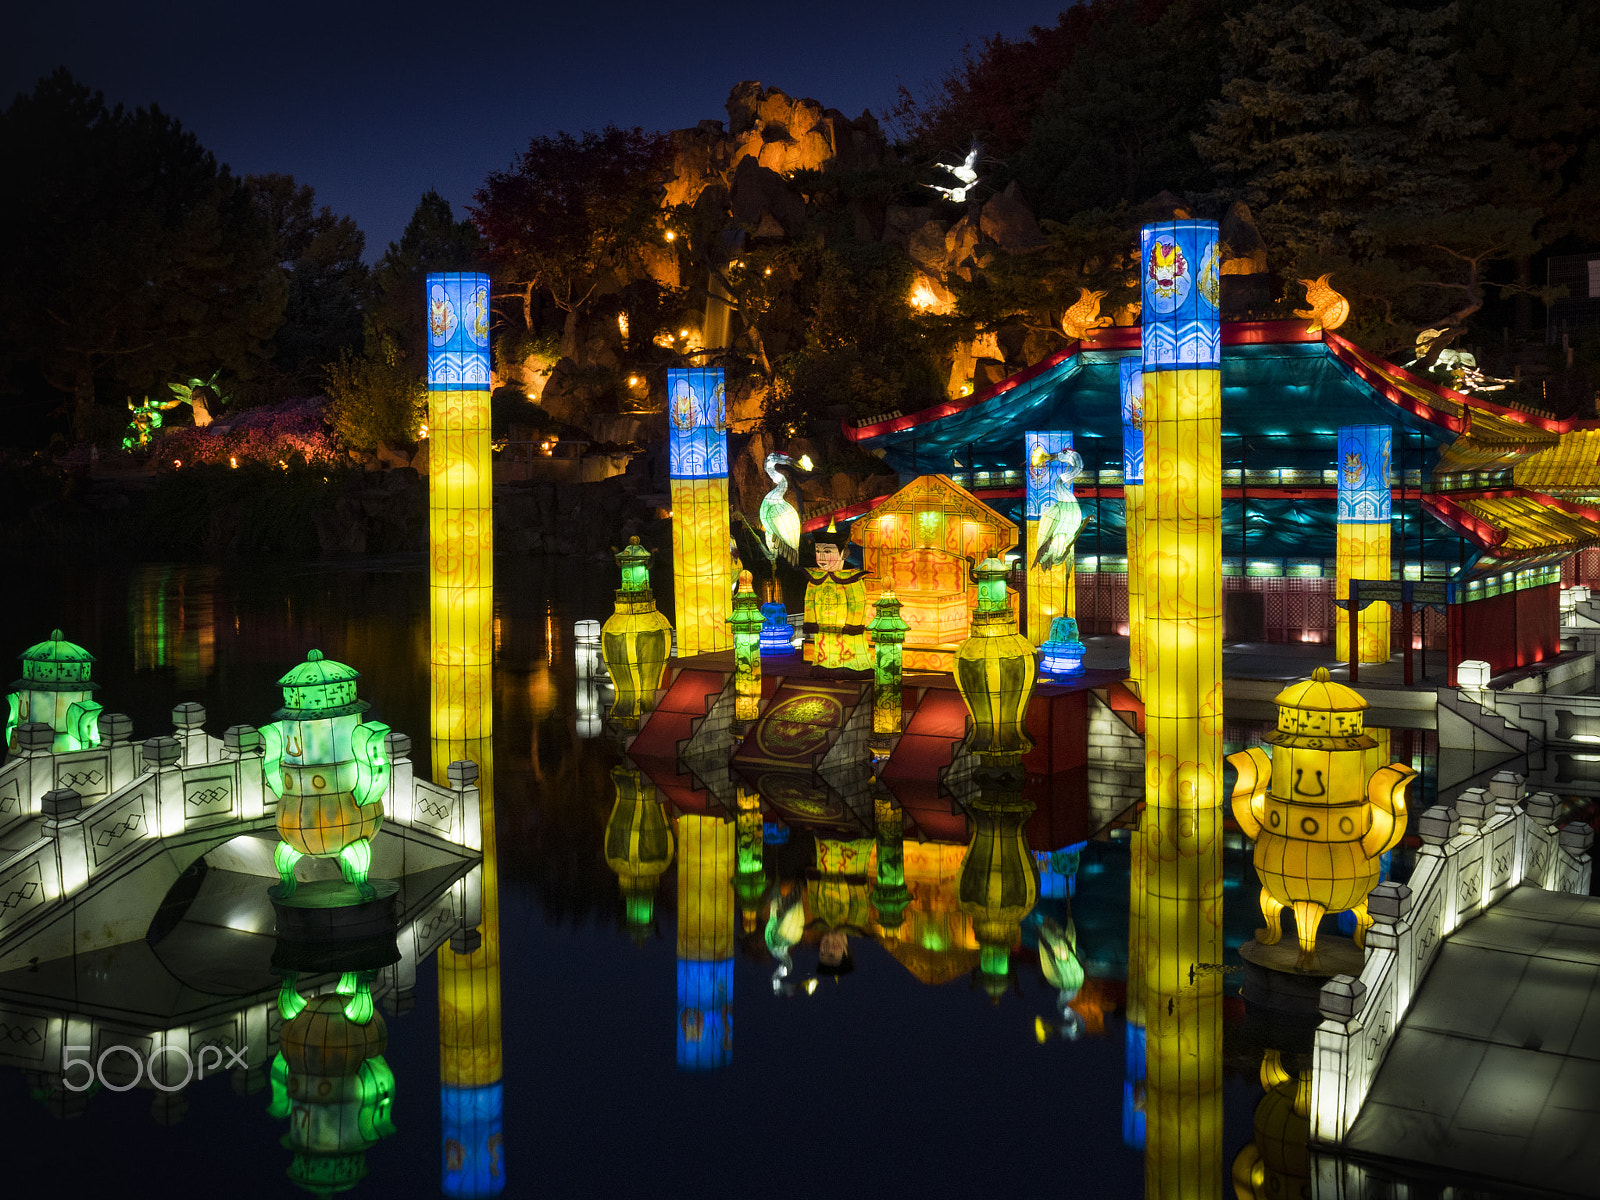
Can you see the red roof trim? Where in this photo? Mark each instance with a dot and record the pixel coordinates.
(1459, 519)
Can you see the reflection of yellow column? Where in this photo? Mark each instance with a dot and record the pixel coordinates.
(1133, 508)
(1181, 825)
(469, 1011)
(706, 860)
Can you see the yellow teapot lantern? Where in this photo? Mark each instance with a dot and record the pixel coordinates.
(635, 640)
(1319, 821)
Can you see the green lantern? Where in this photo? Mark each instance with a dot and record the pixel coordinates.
(638, 845)
(995, 671)
(890, 895)
(998, 882)
(749, 871)
(635, 640)
(328, 769)
(746, 621)
(888, 631)
(330, 1079)
(55, 690)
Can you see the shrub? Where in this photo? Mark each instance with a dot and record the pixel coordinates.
(375, 397)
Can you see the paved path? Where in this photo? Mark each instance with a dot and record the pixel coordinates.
(1495, 1072)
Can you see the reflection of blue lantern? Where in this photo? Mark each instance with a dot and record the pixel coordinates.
(775, 833)
(705, 1018)
(777, 635)
(1063, 654)
(473, 1140)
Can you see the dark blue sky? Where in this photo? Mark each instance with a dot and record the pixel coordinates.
(372, 105)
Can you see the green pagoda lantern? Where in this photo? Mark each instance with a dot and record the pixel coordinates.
(888, 630)
(329, 771)
(998, 882)
(638, 845)
(746, 621)
(55, 690)
(635, 640)
(995, 671)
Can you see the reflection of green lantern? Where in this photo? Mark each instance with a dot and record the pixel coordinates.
(749, 871)
(888, 631)
(998, 883)
(995, 670)
(330, 1079)
(746, 621)
(638, 845)
(635, 640)
(55, 690)
(328, 769)
(890, 895)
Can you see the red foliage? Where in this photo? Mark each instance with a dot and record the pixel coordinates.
(270, 434)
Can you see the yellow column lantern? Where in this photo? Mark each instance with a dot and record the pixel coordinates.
(1361, 537)
(1320, 821)
(702, 567)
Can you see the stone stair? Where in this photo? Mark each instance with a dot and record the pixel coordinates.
(1464, 724)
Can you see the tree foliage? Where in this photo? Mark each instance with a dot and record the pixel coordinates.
(375, 398)
(433, 240)
(136, 257)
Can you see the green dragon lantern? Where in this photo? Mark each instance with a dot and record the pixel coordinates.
(329, 770)
(635, 640)
(1320, 821)
(331, 1081)
(55, 690)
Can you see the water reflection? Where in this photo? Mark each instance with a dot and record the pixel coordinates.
(172, 620)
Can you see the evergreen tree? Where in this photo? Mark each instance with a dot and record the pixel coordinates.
(433, 240)
(136, 258)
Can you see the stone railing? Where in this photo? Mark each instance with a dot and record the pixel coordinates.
(1490, 841)
(187, 786)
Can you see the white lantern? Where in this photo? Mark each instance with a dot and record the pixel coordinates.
(1473, 673)
(586, 650)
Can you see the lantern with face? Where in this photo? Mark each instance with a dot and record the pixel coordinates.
(1320, 823)
(328, 769)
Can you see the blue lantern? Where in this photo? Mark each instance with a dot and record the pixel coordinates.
(777, 635)
(1063, 654)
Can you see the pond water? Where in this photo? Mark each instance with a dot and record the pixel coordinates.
(879, 1082)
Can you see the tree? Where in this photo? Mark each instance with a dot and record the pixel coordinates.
(571, 215)
(136, 259)
(375, 398)
(433, 240)
(328, 284)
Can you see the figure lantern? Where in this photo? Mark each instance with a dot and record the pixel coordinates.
(55, 690)
(1049, 592)
(635, 639)
(697, 446)
(1361, 542)
(1062, 655)
(460, 504)
(836, 606)
(888, 632)
(638, 845)
(995, 671)
(1131, 384)
(777, 635)
(331, 1081)
(746, 622)
(1319, 821)
(328, 769)
(998, 882)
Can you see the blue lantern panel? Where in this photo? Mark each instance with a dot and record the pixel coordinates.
(1131, 380)
(697, 411)
(1043, 469)
(1364, 452)
(1181, 284)
(458, 331)
(474, 1140)
(705, 1014)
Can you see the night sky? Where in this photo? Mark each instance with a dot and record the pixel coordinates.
(372, 109)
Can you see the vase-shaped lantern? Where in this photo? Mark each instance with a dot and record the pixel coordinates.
(995, 671)
(328, 769)
(888, 631)
(1319, 820)
(638, 845)
(998, 883)
(746, 621)
(331, 1081)
(55, 690)
(1278, 1161)
(635, 640)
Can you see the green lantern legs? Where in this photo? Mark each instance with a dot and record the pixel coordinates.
(284, 859)
(355, 862)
